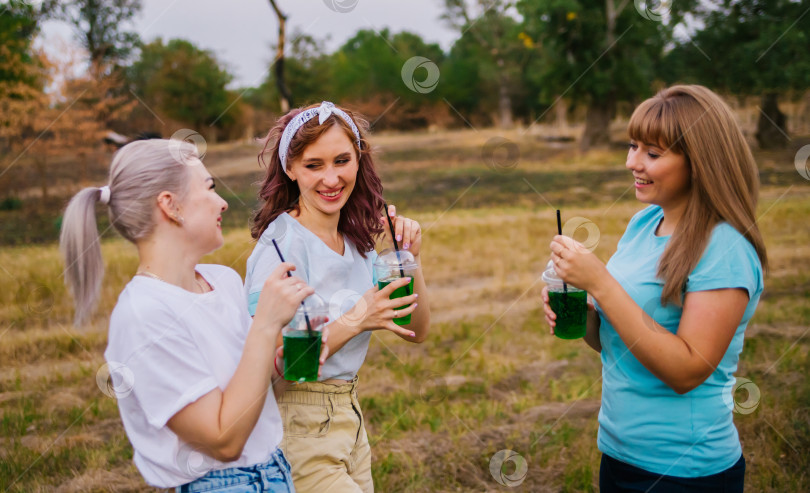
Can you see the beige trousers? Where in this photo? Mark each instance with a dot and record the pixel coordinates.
(325, 438)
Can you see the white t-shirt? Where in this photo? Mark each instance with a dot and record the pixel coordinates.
(167, 348)
(340, 280)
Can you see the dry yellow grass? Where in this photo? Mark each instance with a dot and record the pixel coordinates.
(489, 377)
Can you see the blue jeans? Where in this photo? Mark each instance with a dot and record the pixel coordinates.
(273, 476)
(616, 476)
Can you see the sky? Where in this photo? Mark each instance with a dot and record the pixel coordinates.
(240, 32)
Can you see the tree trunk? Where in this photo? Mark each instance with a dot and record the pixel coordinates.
(561, 110)
(597, 124)
(771, 127)
(504, 101)
(286, 101)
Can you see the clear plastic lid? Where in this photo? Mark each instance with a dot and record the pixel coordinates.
(316, 309)
(394, 259)
(553, 280)
(550, 275)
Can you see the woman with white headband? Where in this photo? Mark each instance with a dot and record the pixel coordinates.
(323, 205)
(190, 369)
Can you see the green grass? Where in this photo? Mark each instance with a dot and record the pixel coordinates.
(488, 378)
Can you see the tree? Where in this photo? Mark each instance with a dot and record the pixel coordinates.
(286, 99)
(22, 78)
(101, 28)
(750, 47)
(598, 52)
(497, 34)
(308, 69)
(367, 71)
(183, 82)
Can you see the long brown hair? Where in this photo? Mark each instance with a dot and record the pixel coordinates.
(693, 121)
(359, 218)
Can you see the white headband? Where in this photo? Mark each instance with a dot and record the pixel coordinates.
(323, 111)
(104, 196)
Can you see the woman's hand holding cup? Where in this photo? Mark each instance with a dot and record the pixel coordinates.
(375, 311)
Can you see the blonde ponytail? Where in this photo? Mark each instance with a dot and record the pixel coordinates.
(140, 171)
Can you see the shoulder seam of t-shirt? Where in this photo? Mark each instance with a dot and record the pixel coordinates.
(753, 274)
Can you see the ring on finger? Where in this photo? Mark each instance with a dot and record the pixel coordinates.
(396, 313)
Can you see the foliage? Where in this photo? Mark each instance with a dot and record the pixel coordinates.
(101, 27)
(749, 47)
(182, 82)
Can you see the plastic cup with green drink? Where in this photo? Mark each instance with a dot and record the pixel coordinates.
(302, 340)
(392, 265)
(570, 304)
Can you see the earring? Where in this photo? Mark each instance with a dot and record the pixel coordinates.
(178, 219)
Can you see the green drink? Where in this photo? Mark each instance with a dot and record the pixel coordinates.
(571, 309)
(406, 290)
(302, 340)
(393, 265)
(302, 350)
(569, 304)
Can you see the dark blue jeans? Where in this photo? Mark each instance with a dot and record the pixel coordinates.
(619, 477)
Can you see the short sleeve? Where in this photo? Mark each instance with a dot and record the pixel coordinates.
(168, 371)
(266, 260)
(729, 261)
(371, 257)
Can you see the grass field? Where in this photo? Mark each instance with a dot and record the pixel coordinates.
(489, 378)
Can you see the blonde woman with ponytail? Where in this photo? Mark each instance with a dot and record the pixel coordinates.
(191, 369)
(672, 304)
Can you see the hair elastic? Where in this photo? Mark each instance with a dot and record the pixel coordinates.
(323, 111)
(104, 196)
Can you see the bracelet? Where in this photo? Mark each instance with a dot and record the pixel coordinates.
(275, 365)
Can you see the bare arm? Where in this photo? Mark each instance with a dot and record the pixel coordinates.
(685, 359)
(221, 421)
(682, 360)
(592, 330)
(420, 316)
(374, 311)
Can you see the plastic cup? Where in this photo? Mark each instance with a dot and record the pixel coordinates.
(302, 345)
(390, 266)
(571, 307)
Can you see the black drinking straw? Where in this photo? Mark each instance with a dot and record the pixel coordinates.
(396, 247)
(306, 316)
(559, 232)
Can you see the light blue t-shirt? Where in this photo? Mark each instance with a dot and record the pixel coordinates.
(642, 421)
(340, 280)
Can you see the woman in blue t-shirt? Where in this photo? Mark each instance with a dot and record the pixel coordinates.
(671, 305)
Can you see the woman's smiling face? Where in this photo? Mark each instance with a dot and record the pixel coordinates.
(326, 172)
(662, 177)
